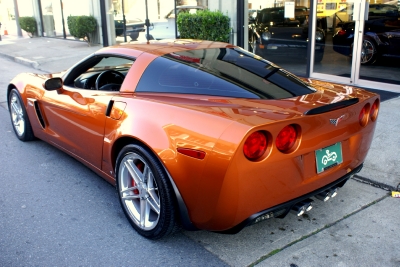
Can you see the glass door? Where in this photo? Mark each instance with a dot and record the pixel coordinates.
(381, 45)
(52, 18)
(278, 31)
(362, 43)
(343, 20)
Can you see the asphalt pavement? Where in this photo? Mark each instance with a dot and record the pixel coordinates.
(360, 227)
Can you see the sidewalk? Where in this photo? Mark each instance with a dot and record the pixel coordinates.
(360, 227)
(46, 54)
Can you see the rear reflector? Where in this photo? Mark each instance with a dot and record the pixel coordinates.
(255, 145)
(198, 154)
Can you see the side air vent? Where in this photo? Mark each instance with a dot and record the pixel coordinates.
(39, 114)
(331, 107)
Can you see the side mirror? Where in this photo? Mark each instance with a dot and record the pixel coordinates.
(53, 84)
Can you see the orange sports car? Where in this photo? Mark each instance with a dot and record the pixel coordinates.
(199, 134)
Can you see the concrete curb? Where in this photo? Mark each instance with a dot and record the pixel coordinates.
(26, 61)
(21, 60)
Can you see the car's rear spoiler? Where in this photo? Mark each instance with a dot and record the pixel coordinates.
(333, 106)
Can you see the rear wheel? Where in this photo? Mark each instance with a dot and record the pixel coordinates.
(145, 193)
(318, 56)
(19, 117)
(134, 36)
(368, 52)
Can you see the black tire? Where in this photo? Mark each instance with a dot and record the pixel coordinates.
(19, 118)
(318, 57)
(134, 36)
(369, 53)
(145, 193)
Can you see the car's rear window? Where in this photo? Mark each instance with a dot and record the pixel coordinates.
(230, 72)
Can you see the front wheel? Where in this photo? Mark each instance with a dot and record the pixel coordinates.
(19, 117)
(252, 42)
(145, 192)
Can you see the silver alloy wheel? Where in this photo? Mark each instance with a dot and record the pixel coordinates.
(367, 52)
(139, 191)
(17, 114)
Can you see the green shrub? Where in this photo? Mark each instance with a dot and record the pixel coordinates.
(204, 25)
(71, 21)
(28, 24)
(82, 26)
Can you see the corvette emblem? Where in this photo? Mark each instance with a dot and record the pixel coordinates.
(336, 121)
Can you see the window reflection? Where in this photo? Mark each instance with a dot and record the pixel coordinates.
(161, 15)
(284, 40)
(280, 33)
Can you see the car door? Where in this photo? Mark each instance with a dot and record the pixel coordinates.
(393, 36)
(74, 116)
(75, 121)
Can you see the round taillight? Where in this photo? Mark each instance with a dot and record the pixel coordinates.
(363, 117)
(286, 138)
(255, 145)
(373, 113)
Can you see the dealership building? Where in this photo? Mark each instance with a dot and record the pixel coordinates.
(354, 42)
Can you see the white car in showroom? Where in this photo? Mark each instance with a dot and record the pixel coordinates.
(165, 28)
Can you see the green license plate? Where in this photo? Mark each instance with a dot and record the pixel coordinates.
(328, 157)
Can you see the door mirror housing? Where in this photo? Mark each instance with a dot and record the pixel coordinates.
(53, 84)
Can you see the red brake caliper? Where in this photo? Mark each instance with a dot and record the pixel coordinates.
(140, 166)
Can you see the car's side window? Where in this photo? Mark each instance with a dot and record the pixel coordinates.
(105, 73)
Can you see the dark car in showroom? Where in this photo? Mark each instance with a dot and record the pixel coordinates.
(271, 34)
(133, 27)
(381, 35)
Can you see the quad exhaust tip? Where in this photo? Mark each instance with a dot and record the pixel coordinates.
(302, 207)
(327, 194)
(324, 196)
(333, 191)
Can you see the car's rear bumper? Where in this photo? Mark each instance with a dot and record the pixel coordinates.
(290, 49)
(281, 210)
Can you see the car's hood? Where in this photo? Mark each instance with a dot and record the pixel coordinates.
(261, 111)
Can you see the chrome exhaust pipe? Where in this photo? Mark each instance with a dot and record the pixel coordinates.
(324, 196)
(333, 191)
(301, 207)
(327, 194)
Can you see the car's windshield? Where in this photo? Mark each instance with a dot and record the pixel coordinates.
(112, 62)
(230, 72)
